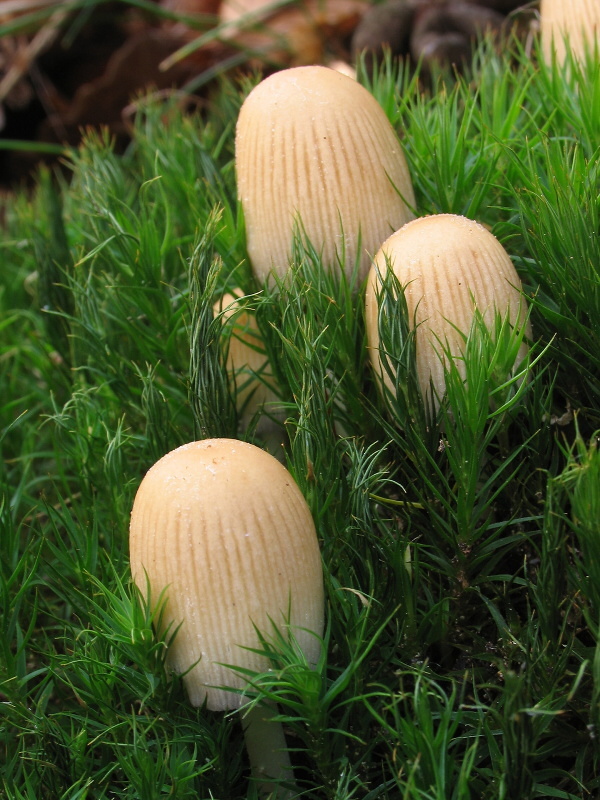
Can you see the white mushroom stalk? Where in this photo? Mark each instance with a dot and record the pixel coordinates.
(220, 527)
(316, 153)
(450, 267)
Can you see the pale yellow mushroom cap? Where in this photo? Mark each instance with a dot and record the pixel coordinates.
(222, 528)
(447, 263)
(314, 145)
(246, 358)
(574, 21)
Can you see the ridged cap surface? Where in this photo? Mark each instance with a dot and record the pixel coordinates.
(246, 356)
(577, 21)
(447, 262)
(313, 144)
(221, 526)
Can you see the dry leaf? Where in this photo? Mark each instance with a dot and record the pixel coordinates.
(293, 35)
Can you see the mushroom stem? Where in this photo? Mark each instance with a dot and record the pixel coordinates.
(267, 750)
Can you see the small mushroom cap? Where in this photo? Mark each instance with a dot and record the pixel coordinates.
(220, 526)
(246, 357)
(448, 265)
(314, 147)
(577, 21)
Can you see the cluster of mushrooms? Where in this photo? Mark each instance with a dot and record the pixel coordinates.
(221, 538)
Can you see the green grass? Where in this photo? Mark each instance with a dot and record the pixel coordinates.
(461, 555)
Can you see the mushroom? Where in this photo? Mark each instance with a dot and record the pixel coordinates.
(220, 527)
(314, 149)
(574, 24)
(448, 266)
(248, 367)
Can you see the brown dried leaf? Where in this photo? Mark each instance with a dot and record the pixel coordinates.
(296, 34)
(133, 68)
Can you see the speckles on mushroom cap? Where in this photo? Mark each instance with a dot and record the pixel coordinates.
(221, 526)
(314, 146)
(447, 263)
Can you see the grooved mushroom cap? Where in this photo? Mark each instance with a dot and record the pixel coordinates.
(447, 263)
(577, 21)
(314, 145)
(221, 526)
(246, 357)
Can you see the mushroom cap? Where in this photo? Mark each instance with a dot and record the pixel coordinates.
(448, 265)
(577, 21)
(246, 357)
(314, 147)
(220, 526)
